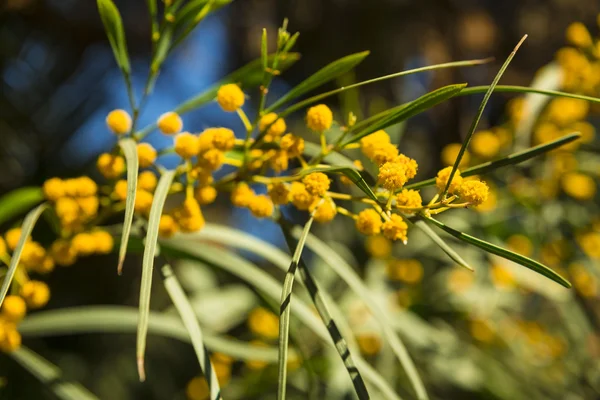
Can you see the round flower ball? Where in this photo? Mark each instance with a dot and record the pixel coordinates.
(319, 118)
(230, 97)
(119, 122)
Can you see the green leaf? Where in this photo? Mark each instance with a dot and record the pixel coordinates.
(18, 201)
(26, 229)
(525, 89)
(408, 110)
(50, 375)
(440, 242)
(185, 20)
(499, 251)
(511, 159)
(264, 52)
(475, 122)
(322, 76)
(158, 203)
(352, 173)
(113, 25)
(129, 148)
(190, 321)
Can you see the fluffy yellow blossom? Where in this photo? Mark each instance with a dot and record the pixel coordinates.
(146, 155)
(578, 35)
(186, 145)
(517, 109)
(299, 196)
(13, 308)
(202, 176)
(119, 122)
(409, 198)
(170, 123)
(205, 194)
(211, 160)
(143, 201)
(2, 246)
(205, 140)
(192, 224)
(279, 161)
(230, 97)
(392, 175)
(277, 128)
(12, 237)
(147, 181)
(473, 191)
(319, 118)
(110, 166)
(223, 138)
(120, 190)
(590, 244)
(279, 193)
(502, 277)
(264, 323)
(53, 189)
(564, 111)
(167, 226)
(33, 254)
(587, 130)
(85, 186)
(368, 222)
(88, 205)
(84, 244)
(324, 211)
(383, 152)
(442, 179)
(370, 142)
(407, 270)
(579, 186)
(197, 389)
(241, 195)
(103, 240)
(292, 145)
(450, 152)
(520, 244)
(410, 165)
(35, 293)
(63, 252)
(67, 210)
(485, 144)
(378, 246)
(189, 216)
(11, 340)
(395, 228)
(490, 203)
(369, 343)
(261, 206)
(316, 183)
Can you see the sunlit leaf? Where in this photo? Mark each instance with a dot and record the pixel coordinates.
(439, 242)
(113, 24)
(18, 201)
(129, 148)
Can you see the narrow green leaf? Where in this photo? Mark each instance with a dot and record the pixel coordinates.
(185, 19)
(408, 110)
(322, 76)
(50, 375)
(162, 49)
(113, 24)
(26, 229)
(18, 201)
(499, 251)
(160, 195)
(525, 89)
(129, 148)
(152, 10)
(190, 321)
(440, 242)
(352, 173)
(264, 52)
(511, 159)
(487, 96)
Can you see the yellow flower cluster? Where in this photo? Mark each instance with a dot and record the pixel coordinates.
(75, 200)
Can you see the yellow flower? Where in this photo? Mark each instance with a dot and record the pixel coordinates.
(33, 255)
(395, 228)
(319, 118)
(103, 240)
(325, 212)
(442, 179)
(292, 145)
(383, 153)
(223, 138)
(584, 282)
(146, 181)
(578, 35)
(279, 193)
(255, 364)
(564, 111)
(88, 205)
(578, 185)
(473, 191)
(264, 323)
(119, 122)
(146, 155)
(410, 165)
(84, 244)
(11, 340)
(368, 222)
(485, 144)
(13, 308)
(590, 244)
(370, 142)
(35, 293)
(205, 194)
(277, 126)
(279, 161)
(186, 145)
(85, 186)
(230, 97)
(392, 175)
(2, 246)
(202, 176)
(67, 210)
(378, 246)
(170, 123)
(520, 244)
(63, 252)
(502, 277)
(299, 196)
(369, 343)
(190, 216)
(110, 166)
(316, 183)
(53, 189)
(408, 271)
(450, 152)
(261, 206)
(241, 195)
(197, 389)
(120, 190)
(587, 130)
(409, 198)
(167, 226)
(205, 140)
(12, 237)
(143, 201)
(489, 204)
(211, 160)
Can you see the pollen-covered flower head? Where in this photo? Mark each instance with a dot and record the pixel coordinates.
(110, 166)
(147, 181)
(88, 206)
(3, 247)
(167, 226)
(319, 118)
(324, 210)
(170, 123)
(392, 175)
(35, 293)
(85, 186)
(279, 193)
(12, 237)
(383, 152)
(277, 125)
(211, 160)
(578, 35)
(485, 144)
(316, 183)
(410, 165)
(67, 210)
(261, 206)
(143, 201)
(395, 228)
(241, 195)
(473, 191)
(13, 308)
(146, 155)
(84, 244)
(369, 142)
(409, 198)
(53, 189)
(223, 138)
(292, 145)
(186, 145)
(230, 97)
(299, 196)
(264, 323)
(279, 161)
(205, 194)
(442, 179)
(63, 252)
(119, 122)
(368, 222)
(189, 216)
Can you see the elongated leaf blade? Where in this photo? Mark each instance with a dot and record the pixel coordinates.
(190, 321)
(113, 24)
(186, 16)
(322, 76)
(129, 148)
(160, 195)
(408, 110)
(525, 89)
(26, 229)
(499, 251)
(422, 225)
(18, 201)
(352, 173)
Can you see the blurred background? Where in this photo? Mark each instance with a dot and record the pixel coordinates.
(58, 80)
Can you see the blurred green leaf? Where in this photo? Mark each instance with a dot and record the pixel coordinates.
(111, 18)
(187, 17)
(18, 201)
(422, 225)
(499, 251)
(524, 89)
(264, 52)
(129, 148)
